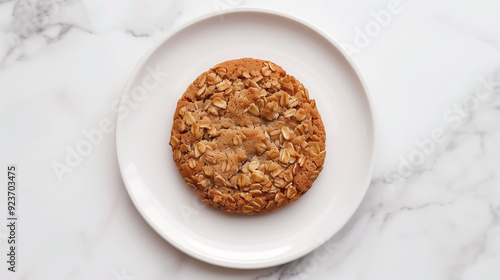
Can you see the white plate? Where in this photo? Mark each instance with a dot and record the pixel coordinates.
(173, 209)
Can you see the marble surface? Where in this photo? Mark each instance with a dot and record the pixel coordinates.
(433, 207)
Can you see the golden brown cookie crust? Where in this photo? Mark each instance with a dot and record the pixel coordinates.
(247, 138)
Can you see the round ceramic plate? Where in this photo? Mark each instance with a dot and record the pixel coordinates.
(174, 210)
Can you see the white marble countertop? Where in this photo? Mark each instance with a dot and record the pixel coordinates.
(433, 207)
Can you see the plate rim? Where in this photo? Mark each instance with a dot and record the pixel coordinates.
(374, 144)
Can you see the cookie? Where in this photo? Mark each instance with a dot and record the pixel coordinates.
(247, 138)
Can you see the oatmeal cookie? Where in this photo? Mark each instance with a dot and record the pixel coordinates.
(247, 138)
